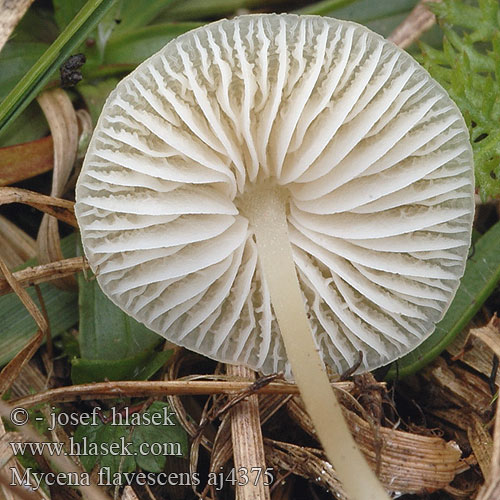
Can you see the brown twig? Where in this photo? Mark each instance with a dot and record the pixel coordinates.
(59, 208)
(419, 20)
(46, 272)
(110, 390)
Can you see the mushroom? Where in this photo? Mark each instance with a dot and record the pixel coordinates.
(282, 192)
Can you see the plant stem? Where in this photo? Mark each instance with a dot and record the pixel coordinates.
(266, 209)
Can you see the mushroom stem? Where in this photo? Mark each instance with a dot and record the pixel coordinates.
(266, 209)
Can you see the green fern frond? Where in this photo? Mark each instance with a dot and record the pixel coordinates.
(468, 66)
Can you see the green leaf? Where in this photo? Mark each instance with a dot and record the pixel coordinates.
(482, 275)
(37, 25)
(140, 367)
(30, 125)
(102, 442)
(134, 14)
(113, 345)
(68, 344)
(164, 437)
(133, 47)
(16, 59)
(106, 332)
(87, 433)
(65, 11)
(111, 435)
(17, 324)
(34, 80)
(147, 438)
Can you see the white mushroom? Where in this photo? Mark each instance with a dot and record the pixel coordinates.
(276, 173)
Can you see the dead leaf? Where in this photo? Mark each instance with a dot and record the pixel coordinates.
(410, 463)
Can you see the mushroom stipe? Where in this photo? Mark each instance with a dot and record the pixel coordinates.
(282, 192)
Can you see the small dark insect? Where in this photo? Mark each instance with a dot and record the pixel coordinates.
(70, 70)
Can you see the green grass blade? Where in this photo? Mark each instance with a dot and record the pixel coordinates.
(482, 275)
(34, 80)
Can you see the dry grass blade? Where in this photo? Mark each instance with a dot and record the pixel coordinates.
(62, 462)
(63, 124)
(110, 390)
(11, 12)
(12, 370)
(419, 20)
(482, 444)
(61, 209)
(248, 448)
(10, 465)
(222, 449)
(410, 463)
(472, 350)
(6, 453)
(458, 386)
(306, 462)
(46, 272)
(491, 489)
(129, 494)
(489, 337)
(19, 492)
(490, 334)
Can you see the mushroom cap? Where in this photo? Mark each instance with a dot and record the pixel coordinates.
(373, 154)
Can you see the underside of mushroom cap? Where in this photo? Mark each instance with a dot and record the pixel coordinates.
(370, 152)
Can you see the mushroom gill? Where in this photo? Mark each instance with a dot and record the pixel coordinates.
(273, 156)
